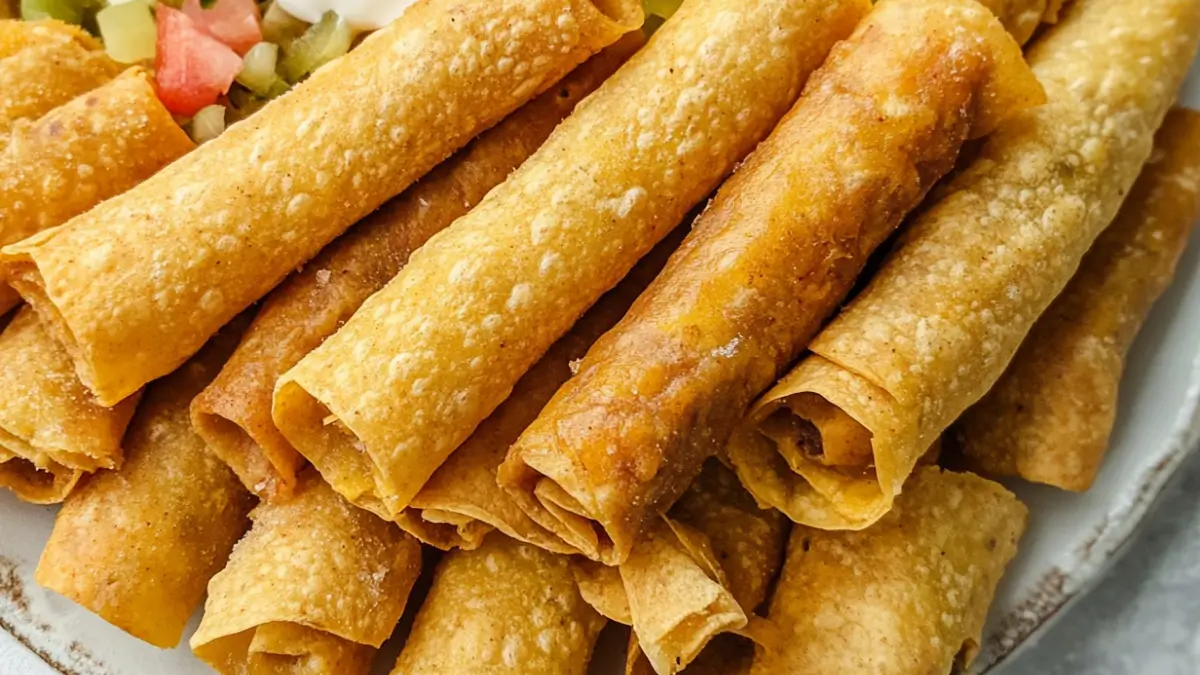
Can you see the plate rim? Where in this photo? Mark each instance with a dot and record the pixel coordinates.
(1058, 589)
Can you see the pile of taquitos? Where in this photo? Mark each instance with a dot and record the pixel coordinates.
(541, 352)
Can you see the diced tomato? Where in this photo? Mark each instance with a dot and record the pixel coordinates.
(235, 22)
(192, 67)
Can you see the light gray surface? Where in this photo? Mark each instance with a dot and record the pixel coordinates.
(1144, 617)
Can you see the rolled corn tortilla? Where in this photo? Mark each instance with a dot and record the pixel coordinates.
(137, 546)
(833, 442)
(908, 596)
(136, 285)
(234, 413)
(462, 502)
(48, 485)
(504, 608)
(1049, 417)
(94, 147)
(1022, 17)
(697, 574)
(677, 594)
(46, 416)
(390, 396)
(725, 654)
(17, 35)
(356, 572)
(46, 74)
(765, 265)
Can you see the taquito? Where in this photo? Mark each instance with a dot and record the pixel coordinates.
(1049, 417)
(506, 608)
(18, 35)
(388, 398)
(137, 546)
(908, 596)
(462, 502)
(698, 573)
(772, 257)
(49, 71)
(46, 416)
(234, 413)
(46, 485)
(833, 442)
(356, 572)
(96, 146)
(136, 285)
(1021, 18)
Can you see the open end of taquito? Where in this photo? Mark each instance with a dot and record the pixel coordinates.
(569, 520)
(49, 485)
(806, 427)
(289, 649)
(23, 275)
(444, 530)
(699, 573)
(46, 415)
(249, 456)
(821, 446)
(672, 590)
(357, 569)
(333, 448)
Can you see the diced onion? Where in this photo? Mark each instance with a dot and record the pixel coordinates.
(280, 27)
(208, 123)
(325, 41)
(129, 31)
(258, 68)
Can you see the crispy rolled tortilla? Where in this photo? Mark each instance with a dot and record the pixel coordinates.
(45, 485)
(17, 35)
(382, 404)
(773, 256)
(355, 573)
(699, 573)
(462, 501)
(504, 608)
(136, 285)
(832, 443)
(907, 597)
(1049, 417)
(137, 546)
(96, 146)
(46, 416)
(234, 413)
(47, 70)
(1022, 17)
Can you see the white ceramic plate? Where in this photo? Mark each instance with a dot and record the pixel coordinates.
(1070, 542)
